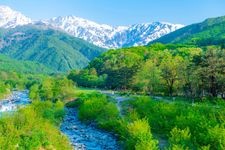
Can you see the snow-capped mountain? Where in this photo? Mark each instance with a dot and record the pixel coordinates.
(102, 35)
(112, 37)
(10, 18)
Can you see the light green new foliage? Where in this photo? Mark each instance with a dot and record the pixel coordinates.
(148, 78)
(33, 128)
(140, 136)
(92, 107)
(33, 94)
(52, 89)
(4, 89)
(217, 137)
(171, 71)
(180, 138)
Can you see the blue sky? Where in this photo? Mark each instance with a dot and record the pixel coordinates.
(122, 12)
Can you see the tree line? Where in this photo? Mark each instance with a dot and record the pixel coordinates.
(174, 70)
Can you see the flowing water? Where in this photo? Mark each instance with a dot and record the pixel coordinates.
(86, 137)
(16, 100)
(81, 136)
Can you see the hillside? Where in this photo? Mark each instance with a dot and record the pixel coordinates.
(209, 32)
(8, 64)
(54, 49)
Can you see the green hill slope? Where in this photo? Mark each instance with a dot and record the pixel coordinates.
(209, 32)
(54, 49)
(8, 64)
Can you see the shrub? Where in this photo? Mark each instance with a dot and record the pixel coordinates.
(30, 128)
(140, 136)
(53, 112)
(217, 137)
(91, 108)
(180, 138)
(108, 118)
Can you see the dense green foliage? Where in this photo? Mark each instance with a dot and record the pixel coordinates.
(7, 64)
(209, 32)
(158, 70)
(115, 66)
(33, 128)
(16, 81)
(4, 89)
(52, 89)
(187, 126)
(87, 78)
(55, 49)
(96, 107)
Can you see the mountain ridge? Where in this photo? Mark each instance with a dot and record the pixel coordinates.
(102, 35)
(211, 31)
(110, 37)
(10, 18)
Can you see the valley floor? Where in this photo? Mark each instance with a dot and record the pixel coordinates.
(100, 120)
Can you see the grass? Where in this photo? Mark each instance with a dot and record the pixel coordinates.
(80, 91)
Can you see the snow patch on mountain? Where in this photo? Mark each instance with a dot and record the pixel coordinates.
(112, 37)
(10, 18)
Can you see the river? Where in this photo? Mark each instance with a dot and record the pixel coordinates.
(14, 101)
(81, 136)
(86, 136)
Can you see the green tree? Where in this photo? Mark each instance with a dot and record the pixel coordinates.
(46, 92)
(120, 69)
(172, 68)
(148, 78)
(212, 71)
(34, 92)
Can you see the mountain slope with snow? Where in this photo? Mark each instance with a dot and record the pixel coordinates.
(10, 18)
(112, 37)
(102, 35)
